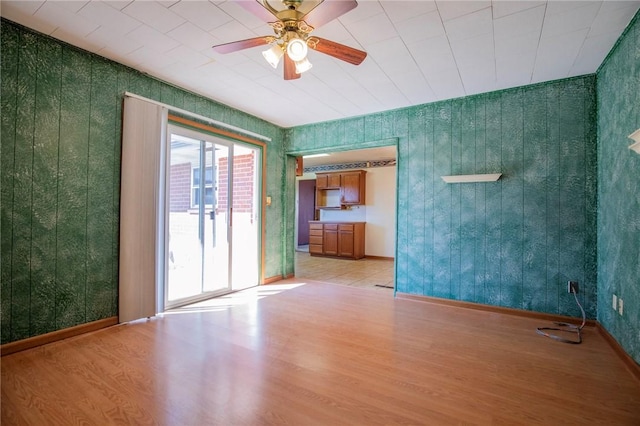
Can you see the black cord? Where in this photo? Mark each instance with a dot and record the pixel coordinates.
(566, 327)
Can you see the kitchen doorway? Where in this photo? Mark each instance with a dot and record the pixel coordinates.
(378, 213)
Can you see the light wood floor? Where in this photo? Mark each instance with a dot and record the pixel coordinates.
(320, 354)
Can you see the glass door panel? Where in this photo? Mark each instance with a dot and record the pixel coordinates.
(246, 216)
(216, 247)
(212, 217)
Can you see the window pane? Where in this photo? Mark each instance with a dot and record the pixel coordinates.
(208, 196)
(208, 175)
(196, 176)
(196, 197)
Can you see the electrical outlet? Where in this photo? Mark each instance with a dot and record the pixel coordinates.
(572, 287)
(615, 302)
(620, 306)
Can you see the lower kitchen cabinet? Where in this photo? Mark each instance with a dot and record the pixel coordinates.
(337, 239)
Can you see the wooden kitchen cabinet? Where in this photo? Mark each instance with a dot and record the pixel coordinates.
(337, 239)
(346, 243)
(328, 180)
(339, 189)
(315, 238)
(353, 187)
(330, 239)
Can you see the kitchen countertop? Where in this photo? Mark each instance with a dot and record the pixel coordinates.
(336, 221)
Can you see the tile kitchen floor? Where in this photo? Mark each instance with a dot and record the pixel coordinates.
(365, 273)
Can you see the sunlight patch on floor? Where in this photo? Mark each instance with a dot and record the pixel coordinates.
(239, 298)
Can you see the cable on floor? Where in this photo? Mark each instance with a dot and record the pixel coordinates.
(565, 327)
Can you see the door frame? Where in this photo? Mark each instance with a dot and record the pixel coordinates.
(233, 138)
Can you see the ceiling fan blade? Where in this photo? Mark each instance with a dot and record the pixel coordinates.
(340, 51)
(256, 7)
(328, 11)
(234, 46)
(290, 69)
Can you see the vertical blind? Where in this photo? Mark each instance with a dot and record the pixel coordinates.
(143, 147)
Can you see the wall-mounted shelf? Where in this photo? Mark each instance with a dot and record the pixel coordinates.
(492, 177)
(635, 136)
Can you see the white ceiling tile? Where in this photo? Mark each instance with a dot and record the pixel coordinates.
(152, 38)
(556, 56)
(117, 4)
(242, 15)
(114, 44)
(391, 54)
(72, 38)
(65, 18)
(203, 14)
(150, 58)
(402, 10)
(72, 6)
(558, 7)
(519, 23)
(388, 92)
(371, 73)
(192, 36)
(515, 70)
(188, 57)
(337, 32)
(470, 25)
(109, 17)
(503, 8)
(22, 12)
(434, 55)
(169, 3)
(454, 9)
(232, 31)
(593, 52)
(23, 7)
(421, 27)
(477, 81)
(570, 20)
(364, 11)
(611, 18)
(361, 30)
(509, 46)
(611, 5)
(477, 51)
(154, 14)
(414, 86)
(446, 85)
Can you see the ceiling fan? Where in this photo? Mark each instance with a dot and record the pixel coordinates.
(296, 19)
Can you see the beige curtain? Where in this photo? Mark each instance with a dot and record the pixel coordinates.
(143, 148)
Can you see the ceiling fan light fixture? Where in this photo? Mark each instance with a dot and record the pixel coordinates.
(273, 55)
(303, 65)
(297, 49)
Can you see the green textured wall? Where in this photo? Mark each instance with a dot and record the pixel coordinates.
(60, 153)
(618, 89)
(511, 243)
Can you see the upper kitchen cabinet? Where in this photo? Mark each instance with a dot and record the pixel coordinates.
(328, 181)
(353, 187)
(339, 189)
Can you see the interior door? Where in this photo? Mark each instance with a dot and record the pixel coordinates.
(210, 248)
(306, 208)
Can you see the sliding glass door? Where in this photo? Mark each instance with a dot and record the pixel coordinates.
(212, 216)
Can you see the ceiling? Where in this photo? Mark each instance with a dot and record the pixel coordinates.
(418, 51)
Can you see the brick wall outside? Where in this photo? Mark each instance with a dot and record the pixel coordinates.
(243, 171)
(180, 187)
